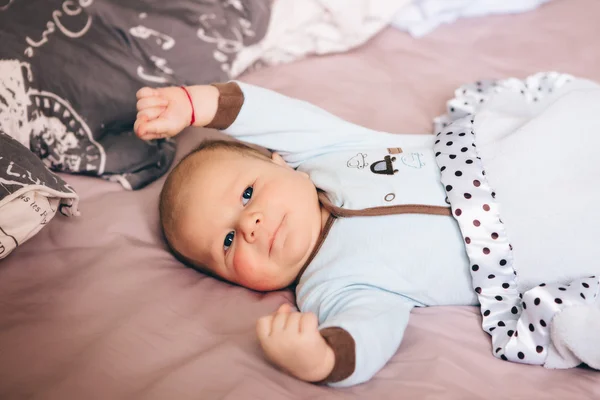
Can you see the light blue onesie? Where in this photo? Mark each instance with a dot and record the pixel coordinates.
(370, 271)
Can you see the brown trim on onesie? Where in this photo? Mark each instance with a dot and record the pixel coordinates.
(343, 346)
(384, 210)
(231, 99)
(318, 245)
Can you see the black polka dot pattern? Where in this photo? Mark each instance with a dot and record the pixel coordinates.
(474, 205)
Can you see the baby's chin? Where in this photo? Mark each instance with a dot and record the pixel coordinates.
(264, 283)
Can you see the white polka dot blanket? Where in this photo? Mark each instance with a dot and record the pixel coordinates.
(517, 159)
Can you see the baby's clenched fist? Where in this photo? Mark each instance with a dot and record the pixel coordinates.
(162, 112)
(292, 341)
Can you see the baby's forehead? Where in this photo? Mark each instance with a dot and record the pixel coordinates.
(195, 238)
(203, 196)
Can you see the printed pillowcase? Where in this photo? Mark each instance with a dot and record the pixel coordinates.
(30, 195)
(69, 71)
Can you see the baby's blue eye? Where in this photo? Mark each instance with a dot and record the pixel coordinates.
(228, 240)
(247, 195)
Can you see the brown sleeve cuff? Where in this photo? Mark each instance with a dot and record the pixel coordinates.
(344, 349)
(230, 103)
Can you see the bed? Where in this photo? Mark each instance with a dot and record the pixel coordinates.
(97, 308)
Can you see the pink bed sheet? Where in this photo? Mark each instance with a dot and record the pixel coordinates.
(97, 308)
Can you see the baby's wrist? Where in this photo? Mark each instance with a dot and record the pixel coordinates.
(326, 366)
(205, 101)
(320, 367)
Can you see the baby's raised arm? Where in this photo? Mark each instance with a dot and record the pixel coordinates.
(294, 128)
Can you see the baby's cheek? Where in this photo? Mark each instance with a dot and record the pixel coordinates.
(242, 263)
(250, 271)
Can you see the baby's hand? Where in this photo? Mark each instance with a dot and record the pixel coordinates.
(162, 112)
(292, 341)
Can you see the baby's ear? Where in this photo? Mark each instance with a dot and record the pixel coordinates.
(277, 159)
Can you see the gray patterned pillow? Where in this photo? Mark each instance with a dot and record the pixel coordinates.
(69, 71)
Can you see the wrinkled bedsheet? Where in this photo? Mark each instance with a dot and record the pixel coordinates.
(97, 308)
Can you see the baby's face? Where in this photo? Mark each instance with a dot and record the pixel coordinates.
(251, 221)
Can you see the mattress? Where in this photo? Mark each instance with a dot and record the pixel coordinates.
(97, 308)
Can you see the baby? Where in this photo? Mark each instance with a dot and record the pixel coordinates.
(358, 219)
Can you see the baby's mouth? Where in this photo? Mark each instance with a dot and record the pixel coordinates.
(275, 235)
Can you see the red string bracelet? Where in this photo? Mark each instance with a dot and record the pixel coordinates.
(192, 104)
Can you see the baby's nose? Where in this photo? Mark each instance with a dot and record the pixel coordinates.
(251, 225)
